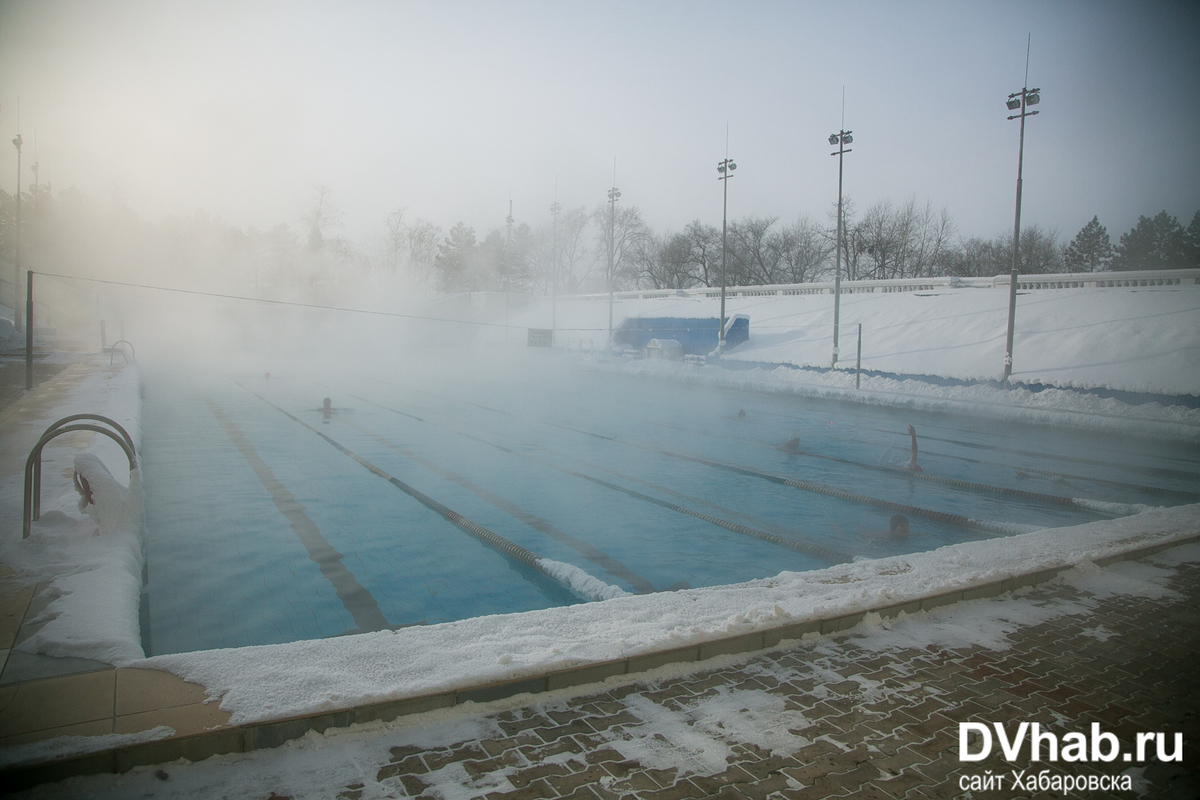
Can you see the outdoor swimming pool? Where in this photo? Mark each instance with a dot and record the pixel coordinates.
(426, 494)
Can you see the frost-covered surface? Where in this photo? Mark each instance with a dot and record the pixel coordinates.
(1048, 407)
(581, 583)
(693, 734)
(1134, 339)
(257, 683)
(92, 560)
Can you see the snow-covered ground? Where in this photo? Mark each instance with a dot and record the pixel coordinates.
(1131, 339)
(1143, 339)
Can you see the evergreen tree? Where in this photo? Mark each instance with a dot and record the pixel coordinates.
(1152, 244)
(1191, 242)
(1091, 251)
(455, 259)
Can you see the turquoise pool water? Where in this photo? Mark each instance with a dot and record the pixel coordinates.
(271, 520)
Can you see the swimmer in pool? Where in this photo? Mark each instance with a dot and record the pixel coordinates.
(913, 466)
(898, 528)
(792, 445)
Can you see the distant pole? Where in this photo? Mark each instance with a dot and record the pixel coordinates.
(841, 139)
(1017, 100)
(554, 209)
(29, 331)
(614, 194)
(17, 269)
(725, 170)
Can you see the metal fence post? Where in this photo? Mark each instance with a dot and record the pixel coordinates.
(858, 362)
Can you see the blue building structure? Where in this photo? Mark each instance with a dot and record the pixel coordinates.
(698, 335)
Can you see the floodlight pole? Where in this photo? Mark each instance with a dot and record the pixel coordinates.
(841, 139)
(554, 209)
(28, 331)
(613, 195)
(725, 170)
(1027, 97)
(17, 270)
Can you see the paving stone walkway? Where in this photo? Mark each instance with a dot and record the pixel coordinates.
(844, 717)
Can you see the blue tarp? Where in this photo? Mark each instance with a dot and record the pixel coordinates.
(698, 335)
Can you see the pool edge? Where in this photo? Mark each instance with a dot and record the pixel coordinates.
(273, 733)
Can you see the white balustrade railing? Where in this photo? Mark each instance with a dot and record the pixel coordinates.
(1072, 280)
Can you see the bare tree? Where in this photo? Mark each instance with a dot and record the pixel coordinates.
(903, 242)
(322, 217)
(665, 262)
(1041, 252)
(387, 252)
(623, 230)
(704, 252)
(421, 239)
(805, 252)
(754, 252)
(573, 254)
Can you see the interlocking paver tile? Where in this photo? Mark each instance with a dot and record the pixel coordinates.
(538, 790)
(524, 777)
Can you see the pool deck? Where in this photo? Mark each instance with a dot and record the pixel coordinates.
(900, 742)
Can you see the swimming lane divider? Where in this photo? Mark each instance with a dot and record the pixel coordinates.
(816, 488)
(1157, 490)
(842, 494)
(955, 482)
(898, 471)
(356, 599)
(798, 545)
(515, 551)
(1004, 529)
(596, 556)
(1143, 468)
(808, 548)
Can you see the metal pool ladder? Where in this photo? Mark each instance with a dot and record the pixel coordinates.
(113, 350)
(33, 465)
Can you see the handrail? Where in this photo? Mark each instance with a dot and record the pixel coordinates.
(1158, 277)
(37, 472)
(33, 465)
(112, 351)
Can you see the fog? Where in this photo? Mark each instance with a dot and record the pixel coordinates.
(189, 145)
(450, 108)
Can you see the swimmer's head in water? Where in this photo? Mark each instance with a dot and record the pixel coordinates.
(741, 413)
(899, 525)
(326, 403)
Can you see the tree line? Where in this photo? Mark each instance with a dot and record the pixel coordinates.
(577, 250)
(613, 247)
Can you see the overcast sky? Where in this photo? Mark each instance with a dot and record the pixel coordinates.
(450, 108)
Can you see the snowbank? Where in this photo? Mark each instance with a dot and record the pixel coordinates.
(259, 683)
(1143, 339)
(1047, 407)
(90, 555)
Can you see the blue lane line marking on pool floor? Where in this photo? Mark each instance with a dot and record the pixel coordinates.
(529, 559)
(972, 486)
(799, 545)
(357, 600)
(815, 488)
(596, 556)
